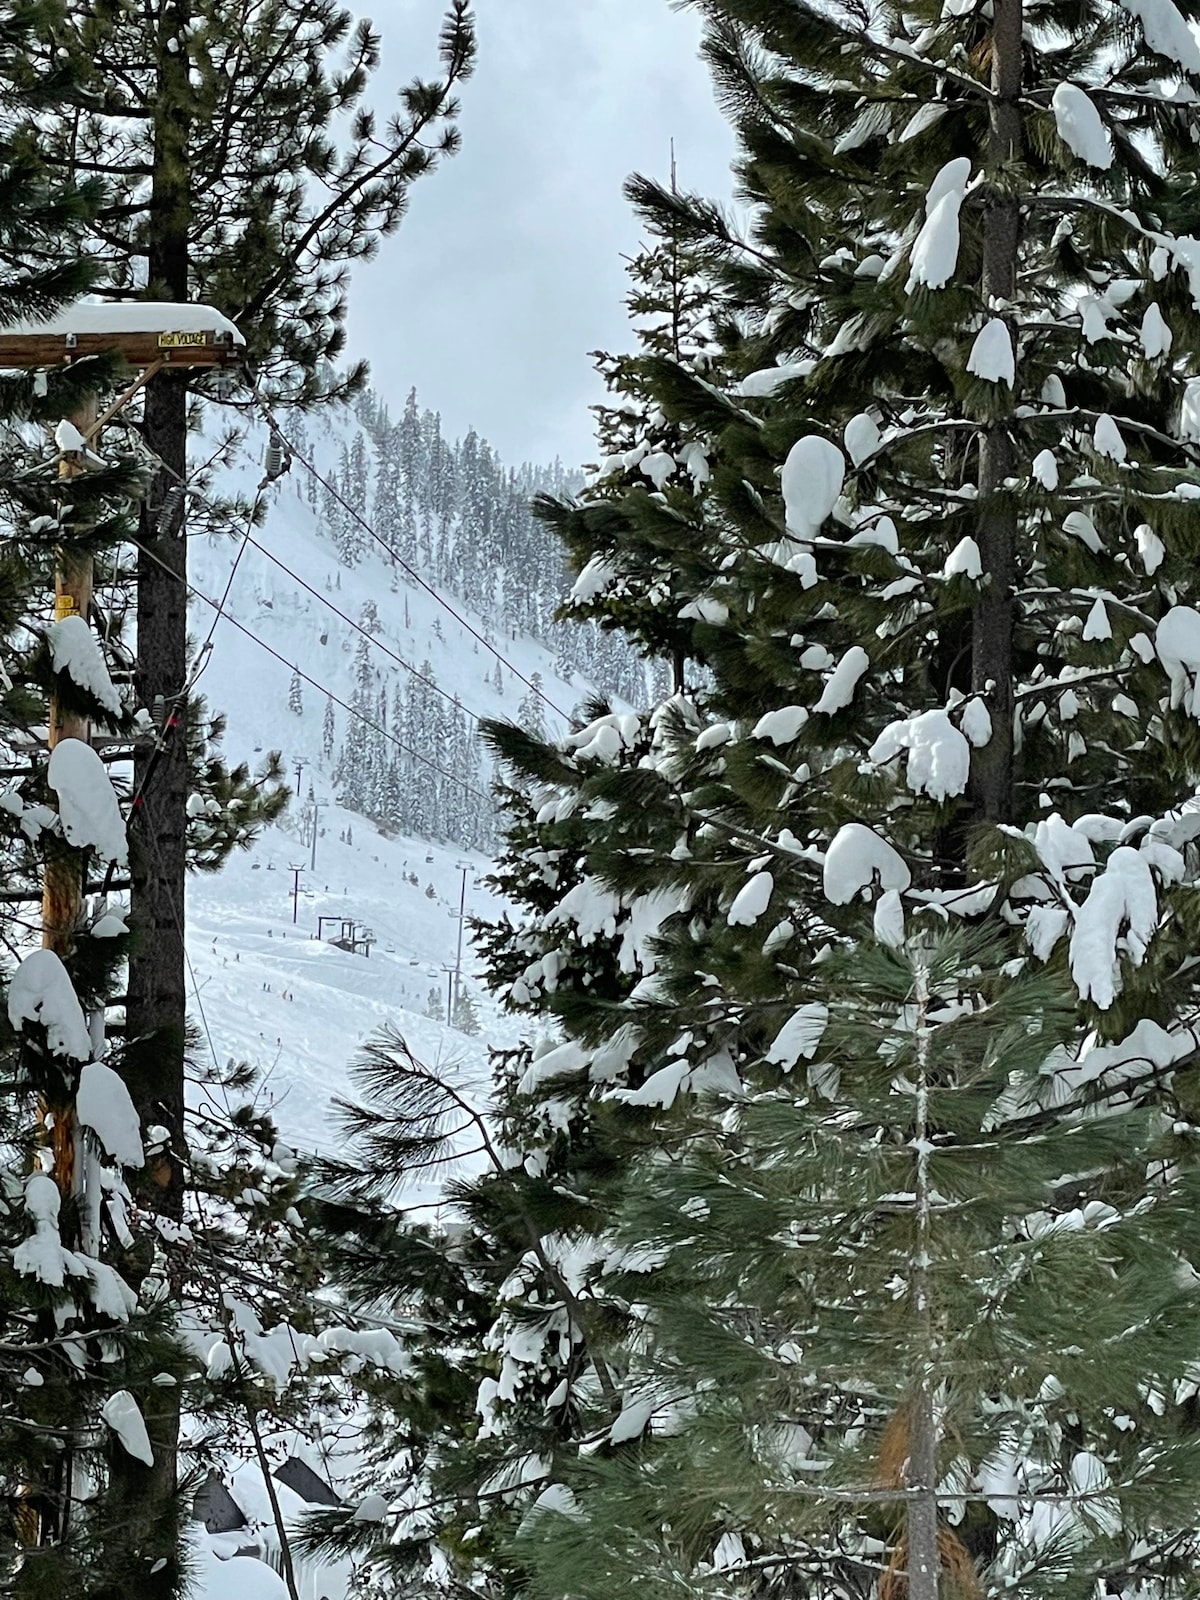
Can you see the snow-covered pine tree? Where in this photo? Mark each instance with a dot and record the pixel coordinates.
(74, 1336)
(629, 539)
(328, 729)
(952, 683)
(538, 1222)
(295, 697)
(530, 713)
(576, 954)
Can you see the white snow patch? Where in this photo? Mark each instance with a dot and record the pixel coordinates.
(976, 722)
(751, 901)
(939, 756)
(633, 1420)
(1045, 469)
(933, 111)
(758, 385)
(1149, 547)
(857, 858)
(730, 1551)
(371, 1508)
(1080, 526)
(87, 801)
(102, 1104)
(964, 560)
(137, 316)
(1064, 851)
(889, 919)
(41, 991)
(991, 356)
(1123, 896)
(75, 650)
(1097, 626)
(781, 726)
(843, 681)
(811, 480)
(1177, 641)
(1107, 440)
(1166, 32)
(658, 467)
(660, 1088)
(799, 1037)
(1156, 334)
(1080, 126)
(68, 438)
(120, 1411)
(41, 1256)
(1189, 411)
(1044, 927)
(593, 580)
(861, 436)
(935, 250)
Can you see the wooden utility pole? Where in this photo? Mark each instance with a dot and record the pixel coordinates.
(156, 340)
(62, 882)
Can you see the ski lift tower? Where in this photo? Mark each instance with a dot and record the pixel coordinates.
(149, 336)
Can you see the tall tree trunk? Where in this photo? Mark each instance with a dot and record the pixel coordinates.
(923, 1558)
(995, 613)
(157, 1002)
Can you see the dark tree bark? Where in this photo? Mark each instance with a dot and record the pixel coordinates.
(995, 614)
(157, 998)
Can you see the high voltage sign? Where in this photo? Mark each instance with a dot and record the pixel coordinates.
(178, 341)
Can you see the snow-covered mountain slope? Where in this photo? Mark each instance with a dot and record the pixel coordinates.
(297, 1006)
(272, 992)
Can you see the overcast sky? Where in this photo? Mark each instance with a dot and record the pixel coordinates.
(508, 269)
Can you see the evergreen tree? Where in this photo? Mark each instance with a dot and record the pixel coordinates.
(75, 1336)
(530, 713)
(226, 180)
(328, 729)
(295, 701)
(940, 584)
(869, 1140)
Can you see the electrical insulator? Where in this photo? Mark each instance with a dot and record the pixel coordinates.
(277, 459)
(170, 504)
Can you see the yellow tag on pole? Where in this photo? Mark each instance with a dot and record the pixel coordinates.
(64, 606)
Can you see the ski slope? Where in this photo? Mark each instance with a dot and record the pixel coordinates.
(246, 952)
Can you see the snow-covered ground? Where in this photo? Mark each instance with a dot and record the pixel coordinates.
(296, 1006)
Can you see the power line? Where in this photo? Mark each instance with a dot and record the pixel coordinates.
(241, 550)
(371, 638)
(171, 717)
(319, 687)
(332, 489)
(248, 538)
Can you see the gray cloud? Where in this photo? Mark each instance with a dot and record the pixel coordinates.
(507, 270)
